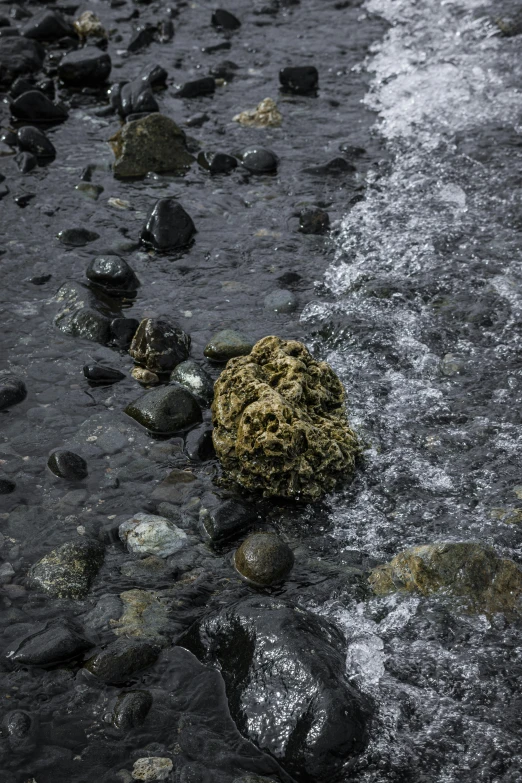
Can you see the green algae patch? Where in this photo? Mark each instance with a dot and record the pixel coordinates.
(280, 422)
(469, 570)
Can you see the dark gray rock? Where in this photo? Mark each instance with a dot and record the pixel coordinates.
(87, 67)
(300, 80)
(34, 106)
(197, 88)
(258, 160)
(334, 167)
(26, 162)
(12, 391)
(313, 220)
(195, 379)
(265, 647)
(123, 330)
(19, 56)
(113, 274)
(54, 642)
(168, 226)
(224, 519)
(17, 724)
(97, 373)
(226, 344)
(67, 572)
(47, 26)
(82, 314)
(141, 38)
(67, 465)
(136, 97)
(131, 709)
(166, 410)
(159, 345)
(224, 20)
(224, 70)
(34, 140)
(153, 143)
(281, 301)
(264, 559)
(154, 76)
(218, 162)
(122, 659)
(77, 237)
(199, 445)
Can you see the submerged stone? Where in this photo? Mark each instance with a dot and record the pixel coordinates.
(67, 572)
(152, 768)
(217, 163)
(227, 344)
(313, 221)
(259, 160)
(281, 301)
(81, 314)
(154, 143)
(266, 647)
(168, 226)
(12, 391)
(67, 465)
(56, 641)
(88, 67)
(122, 659)
(300, 80)
(152, 535)
(473, 571)
(166, 411)
(280, 424)
(131, 709)
(264, 559)
(159, 345)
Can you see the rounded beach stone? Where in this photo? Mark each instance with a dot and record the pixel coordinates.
(68, 465)
(264, 559)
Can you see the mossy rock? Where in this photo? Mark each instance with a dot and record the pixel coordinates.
(280, 424)
(473, 571)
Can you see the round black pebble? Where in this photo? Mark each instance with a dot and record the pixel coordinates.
(224, 20)
(97, 373)
(12, 391)
(168, 226)
(302, 80)
(35, 141)
(112, 272)
(67, 465)
(259, 160)
(35, 107)
(264, 559)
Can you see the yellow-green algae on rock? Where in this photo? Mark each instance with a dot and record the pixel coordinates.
(473, 571)
(280, 423)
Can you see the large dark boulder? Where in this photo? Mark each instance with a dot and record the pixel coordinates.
(284, 671)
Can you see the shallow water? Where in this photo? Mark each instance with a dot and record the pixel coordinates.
(419, 312)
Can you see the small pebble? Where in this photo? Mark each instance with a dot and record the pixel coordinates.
(224, 20)
(264, 559)
(68, 465)
(302, 80)
(97, 373)
(152, 768)
(142, 375)
(195, 89)
(259, 160)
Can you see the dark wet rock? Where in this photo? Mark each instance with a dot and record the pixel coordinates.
(154, 143)
(166, 30)
(301, 80)
(510, 25)
(166, 411)
(224, 519)
(67, 465)
(17, 724)
(137, 97)
(87, 67)
(67, 572)
(198, 443)
(168, 226)
(24, 200)
(280, 423)
(224, 20)
(258, 160)
(122, 331)
(26, 162)
(12, 391)
(350, 150)
(313, 220)
(159, 345)
(197, 88)
(281, 301)
(113, 274)
(56, 641)
(7, 485)
(35, 141)
(20, 86)
(34, 106)
(40, 279)
(197, 120)
(220, 47)
(10, 138)
(217, 162)
(196, 379)
(334, 167)
(80, 314)
(87, 190)
(77, 237)
(224, 70)
(265, 647)
(121, 659)
(47, 26)
(486, 582)
(264, 559)
(154, 75)
(97, 373)
(175, 488)
(131, 709)
(141, 38)
(226, 344)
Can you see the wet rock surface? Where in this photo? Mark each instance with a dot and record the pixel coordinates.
(263, 559)
(280, 423)
(168, 227)
(68, 465)
(159, 345)
(68, 571)
(263, 647)
(166, 411)
(154, 143)
(85, 67)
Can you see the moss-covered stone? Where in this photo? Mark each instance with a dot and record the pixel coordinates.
(153, 143)
(473, 571)
(67, 572)
(264, 559)
(280, 424)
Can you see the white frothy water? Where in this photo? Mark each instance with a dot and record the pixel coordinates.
(424, 331)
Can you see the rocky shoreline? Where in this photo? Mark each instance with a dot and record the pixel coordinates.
(166, 457)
